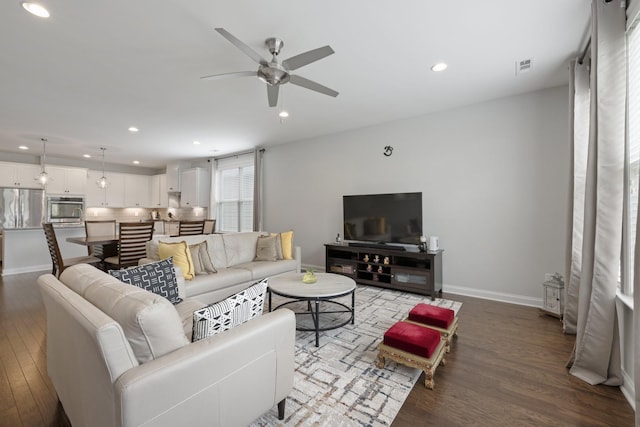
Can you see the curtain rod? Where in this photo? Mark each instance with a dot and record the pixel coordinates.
(242, 153)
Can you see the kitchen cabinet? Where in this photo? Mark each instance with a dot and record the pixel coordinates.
(159, 194)
(195, 188)
(136, 191)
(174, 177)
(112, 196)
(67, 181)
(19, 175)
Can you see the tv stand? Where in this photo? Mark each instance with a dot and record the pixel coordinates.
(379, 245)
(417, 272)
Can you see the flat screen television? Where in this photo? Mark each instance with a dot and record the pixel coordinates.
(383, 218)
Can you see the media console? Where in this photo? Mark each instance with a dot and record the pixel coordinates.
(417, 272)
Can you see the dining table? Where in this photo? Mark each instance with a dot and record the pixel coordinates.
(109, 245)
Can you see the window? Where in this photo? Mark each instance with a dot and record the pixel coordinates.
(633, 141)
(234, 193)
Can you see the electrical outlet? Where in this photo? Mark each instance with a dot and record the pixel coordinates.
(548, 276)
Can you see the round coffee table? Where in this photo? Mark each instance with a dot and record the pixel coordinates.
(328, 287)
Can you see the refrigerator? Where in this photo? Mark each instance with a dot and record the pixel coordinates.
(21, 208)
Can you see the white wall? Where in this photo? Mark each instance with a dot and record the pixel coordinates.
(494, 179)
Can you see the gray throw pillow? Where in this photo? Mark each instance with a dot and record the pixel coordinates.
(266, 248)
(157, 277)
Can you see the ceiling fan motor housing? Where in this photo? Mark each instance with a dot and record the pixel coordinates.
(273, 74)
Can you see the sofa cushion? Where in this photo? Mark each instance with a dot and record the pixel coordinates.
(181, 255)
(278, 245)
(230, 312)
(240, 247)
(157, 277)
(222, 279)
(260, 269)
(266, 248)
(201, 260)
(150, 322)
(185, 312)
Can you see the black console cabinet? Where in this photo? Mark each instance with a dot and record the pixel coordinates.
(417, 272)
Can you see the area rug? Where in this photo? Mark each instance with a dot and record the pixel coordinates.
(338, 383)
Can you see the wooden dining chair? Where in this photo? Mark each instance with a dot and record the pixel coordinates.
(59, 263)
(190, 228)
(101, 228)
(132, 240)
(209, 226)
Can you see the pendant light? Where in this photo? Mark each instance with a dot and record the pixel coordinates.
(102, 182)
(43, 178)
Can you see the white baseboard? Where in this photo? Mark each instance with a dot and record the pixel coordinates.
(45, 268)
(494, 296)
(628, 389)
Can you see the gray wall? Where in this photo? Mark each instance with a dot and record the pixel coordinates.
(494, 178)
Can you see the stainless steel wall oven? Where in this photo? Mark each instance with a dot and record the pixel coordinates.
(65, 210)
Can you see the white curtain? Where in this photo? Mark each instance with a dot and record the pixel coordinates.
(258, 189)
(593, 278)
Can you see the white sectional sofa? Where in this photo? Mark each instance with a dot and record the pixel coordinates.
(233, 255)
(119, 355)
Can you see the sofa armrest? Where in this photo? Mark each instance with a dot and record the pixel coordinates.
(228, 379)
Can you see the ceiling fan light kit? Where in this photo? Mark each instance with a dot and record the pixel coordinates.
(275, 73)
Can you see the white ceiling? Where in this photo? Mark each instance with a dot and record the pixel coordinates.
(83, 76)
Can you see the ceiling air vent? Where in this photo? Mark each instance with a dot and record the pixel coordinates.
(524, 66)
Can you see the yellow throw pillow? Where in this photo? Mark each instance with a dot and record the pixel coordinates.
(287, 244)
(181, 256)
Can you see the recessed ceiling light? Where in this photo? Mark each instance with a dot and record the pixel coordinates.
(135, 162)
(23, 147)
(283, 114)
(35, 9)
(133, 129)
(196, 142)
(86, 155)
(440, 66)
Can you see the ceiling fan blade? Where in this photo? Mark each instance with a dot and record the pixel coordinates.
(272, 94)
(305, 58)
(229, 75)
(306, 83)
(242, 46)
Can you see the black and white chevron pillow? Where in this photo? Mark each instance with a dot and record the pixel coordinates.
(157, 277)
(233, 311)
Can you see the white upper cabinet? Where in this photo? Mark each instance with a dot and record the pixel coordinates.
(112, 196)
(174, 177)
(137, 189)
(19, 175)
(159, 195)
(67, 181)
(195, 188)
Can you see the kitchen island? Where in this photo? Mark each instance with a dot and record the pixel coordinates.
(25, 250)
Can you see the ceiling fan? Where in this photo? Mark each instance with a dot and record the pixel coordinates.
(275, 73)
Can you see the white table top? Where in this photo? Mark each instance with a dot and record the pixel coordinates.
(328, 285)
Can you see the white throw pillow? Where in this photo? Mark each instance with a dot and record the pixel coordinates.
(233, 311)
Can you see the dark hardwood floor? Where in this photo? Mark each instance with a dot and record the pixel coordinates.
(506, 368)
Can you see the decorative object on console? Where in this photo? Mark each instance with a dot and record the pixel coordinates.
(233, 311)
(434, 243)
(386, 260)
(376, 259)
(157, 277)
(423, 243)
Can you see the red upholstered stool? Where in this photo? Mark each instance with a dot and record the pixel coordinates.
(444, 320)
(413, 345)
